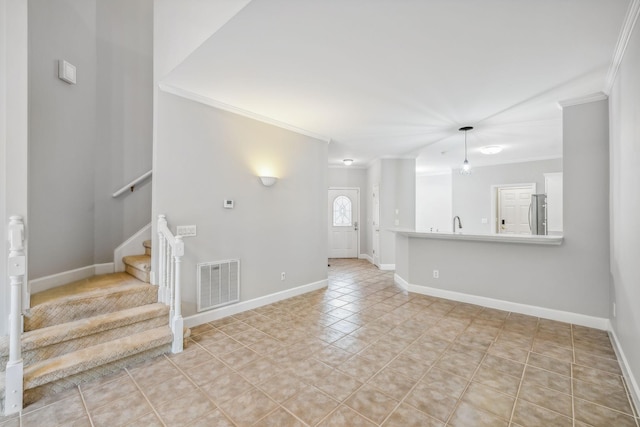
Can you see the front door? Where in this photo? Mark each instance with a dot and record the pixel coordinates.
(513, 210)
(344, 217)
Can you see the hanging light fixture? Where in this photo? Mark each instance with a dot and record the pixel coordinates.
(466, 167)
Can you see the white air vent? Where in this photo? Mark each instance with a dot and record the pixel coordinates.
(218, 284)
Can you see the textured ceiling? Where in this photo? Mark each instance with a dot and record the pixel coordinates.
(385, 78)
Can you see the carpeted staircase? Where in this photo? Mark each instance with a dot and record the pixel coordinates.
(90, 328)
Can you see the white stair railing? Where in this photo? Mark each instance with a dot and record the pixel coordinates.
(16, 271)
(170, 256)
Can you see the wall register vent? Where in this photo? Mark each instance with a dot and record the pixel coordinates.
(218, 284)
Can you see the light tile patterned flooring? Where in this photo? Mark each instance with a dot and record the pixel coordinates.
(362, 353)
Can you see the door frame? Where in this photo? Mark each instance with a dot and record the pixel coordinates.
(357, 189)
(494, 200)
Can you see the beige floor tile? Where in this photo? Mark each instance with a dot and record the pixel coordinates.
(99, 396)
(528, 414)
(225, 387)
(176, 386)
(497, 380)
(311, 405)
(360, 368)
(603, 364)
(371, 403)
(337, 385)
(506, 366)
(540, 377)
(392, 384)
(207, 372)
(332, 355)
(249, 407)
(283, 386)
(58, 413)
(345, 416)
(598, 377)
(550, 364)
(193, 357)
(121, 411)
(547, 398)
(614, 398)
(238, 358)
(148, 420)
(407, 416)
(599, 416)
(158, 371)
(431, 401)
(260, 370)
(467, 415)
(507, 351)
(408, 366)
(279, 418)
(489, 400)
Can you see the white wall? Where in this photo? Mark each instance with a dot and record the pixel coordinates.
(62, 135)
(625, 205)
(434, 202)
(573, 277)
(397, 203)
(13, 131)
(124, 127)
(373, 179)
(472, 193)
(354, 178)
(205, 155)
(87, 140)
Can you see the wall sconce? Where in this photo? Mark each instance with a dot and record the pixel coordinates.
(268, 181)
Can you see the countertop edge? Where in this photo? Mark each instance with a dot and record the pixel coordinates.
(496, 238)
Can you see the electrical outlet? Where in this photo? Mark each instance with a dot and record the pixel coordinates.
(186, 230)
(283, 275)
(436, 274)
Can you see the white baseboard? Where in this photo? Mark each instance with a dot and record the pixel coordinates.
(367, 257)
(387, 267)
(626, 369)
(132, 246)
(55, 280)
(401, 282)
(531, 310)
(219, 313)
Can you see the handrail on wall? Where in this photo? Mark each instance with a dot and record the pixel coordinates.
(131, 186)
(170, 292)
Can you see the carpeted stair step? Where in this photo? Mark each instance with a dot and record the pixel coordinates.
(90, 297)
(139, 266)
(147, 247)
(56, 340)
(2, 387)
(76, 366)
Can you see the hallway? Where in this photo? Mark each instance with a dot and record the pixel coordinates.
(361, 353)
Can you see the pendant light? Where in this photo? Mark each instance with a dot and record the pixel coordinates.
(466, 167)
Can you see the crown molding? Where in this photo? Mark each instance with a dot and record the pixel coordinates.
(239, 111)
(598, 96)
(623, 40)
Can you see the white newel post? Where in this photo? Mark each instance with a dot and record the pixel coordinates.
(16, 270)
(178, 323)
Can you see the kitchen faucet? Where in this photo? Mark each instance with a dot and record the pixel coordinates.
(454, 223)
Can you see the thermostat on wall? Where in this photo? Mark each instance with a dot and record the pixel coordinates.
(228, 204)
(66, 72)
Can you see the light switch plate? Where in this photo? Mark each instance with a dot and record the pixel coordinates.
(187, 230)
(228, 204)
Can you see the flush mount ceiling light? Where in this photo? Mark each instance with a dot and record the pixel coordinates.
(466, 167)
(347, 162)
(268, 181)
(491, 149)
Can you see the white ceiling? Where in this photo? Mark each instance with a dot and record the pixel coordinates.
(388, 78)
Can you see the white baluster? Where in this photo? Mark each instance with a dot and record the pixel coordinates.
(16, 270)
(178, 323)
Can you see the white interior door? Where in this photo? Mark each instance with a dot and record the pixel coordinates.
(513, 210)
(344, 221)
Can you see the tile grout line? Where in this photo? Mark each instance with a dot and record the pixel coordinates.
(86, 408)
(153, 408)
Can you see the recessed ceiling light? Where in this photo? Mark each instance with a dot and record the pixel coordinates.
(491, 149)
(347, 162)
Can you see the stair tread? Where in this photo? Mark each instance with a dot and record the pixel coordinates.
(81, 360)
(91, 325)
(95, 285)
(140, 262)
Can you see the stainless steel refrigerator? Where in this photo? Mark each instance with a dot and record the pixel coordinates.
(538, 214)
